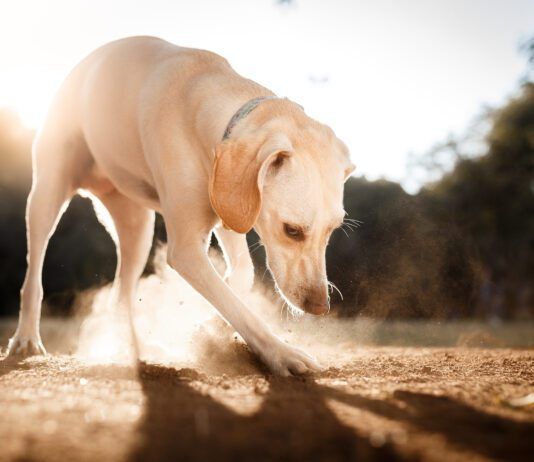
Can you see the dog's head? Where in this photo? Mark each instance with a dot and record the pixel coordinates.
(287, 184)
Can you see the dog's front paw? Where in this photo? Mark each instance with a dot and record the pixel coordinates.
(24, 346)
(285, 360)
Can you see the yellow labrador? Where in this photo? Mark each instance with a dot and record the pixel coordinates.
(144, 126)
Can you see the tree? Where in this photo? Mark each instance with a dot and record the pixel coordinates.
(491, 200)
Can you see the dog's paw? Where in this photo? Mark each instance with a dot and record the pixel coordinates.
(285, 360)
(21, 346)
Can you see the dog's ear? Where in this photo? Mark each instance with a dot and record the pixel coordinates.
(349, 170)
(238, 175)
(350, 167)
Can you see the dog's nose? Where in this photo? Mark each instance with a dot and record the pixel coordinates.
(317, 304)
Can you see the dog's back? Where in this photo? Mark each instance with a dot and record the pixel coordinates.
(99, 111)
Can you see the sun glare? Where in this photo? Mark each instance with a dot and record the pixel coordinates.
(384, 99)
(29, 92)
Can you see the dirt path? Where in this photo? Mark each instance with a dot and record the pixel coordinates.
(384, 404)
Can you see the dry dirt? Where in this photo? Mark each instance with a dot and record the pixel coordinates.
(384, 403)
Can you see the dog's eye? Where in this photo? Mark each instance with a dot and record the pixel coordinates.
(293, 232)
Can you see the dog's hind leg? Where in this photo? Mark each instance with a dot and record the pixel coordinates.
(51, 190)
(134, 225)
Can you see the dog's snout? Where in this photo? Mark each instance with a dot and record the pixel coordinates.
(317, 302)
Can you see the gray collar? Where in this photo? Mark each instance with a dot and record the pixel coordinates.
(243, 111)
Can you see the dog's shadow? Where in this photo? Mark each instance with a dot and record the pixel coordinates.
(294, 422)
(9, 364)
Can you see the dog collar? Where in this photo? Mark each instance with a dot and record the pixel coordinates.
(244, 111)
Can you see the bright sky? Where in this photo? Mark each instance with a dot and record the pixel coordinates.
(390, 77)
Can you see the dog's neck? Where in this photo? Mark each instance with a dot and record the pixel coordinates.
(226, 111)
(243, 111)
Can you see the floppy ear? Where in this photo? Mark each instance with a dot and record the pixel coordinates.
(237, 178)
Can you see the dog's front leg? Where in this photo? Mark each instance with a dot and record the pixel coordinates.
(187, 255)
(239, 267)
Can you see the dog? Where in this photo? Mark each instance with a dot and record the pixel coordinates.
(146, 126)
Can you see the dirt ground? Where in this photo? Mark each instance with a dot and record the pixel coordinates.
(384, 403)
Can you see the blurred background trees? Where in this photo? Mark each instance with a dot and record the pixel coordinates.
(462, 247)
(490, 199)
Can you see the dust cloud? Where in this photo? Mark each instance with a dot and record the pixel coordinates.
(175, 325)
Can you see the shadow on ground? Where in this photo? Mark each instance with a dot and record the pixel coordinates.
(463, 426)
(295, 423)
(117, 413)
(12, 364)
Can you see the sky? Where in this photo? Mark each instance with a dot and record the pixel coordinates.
(390, 77)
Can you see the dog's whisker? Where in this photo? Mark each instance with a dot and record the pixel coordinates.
(264, 273)
(353, 221)
(333, 286)
(255, 245)
(255, 250)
